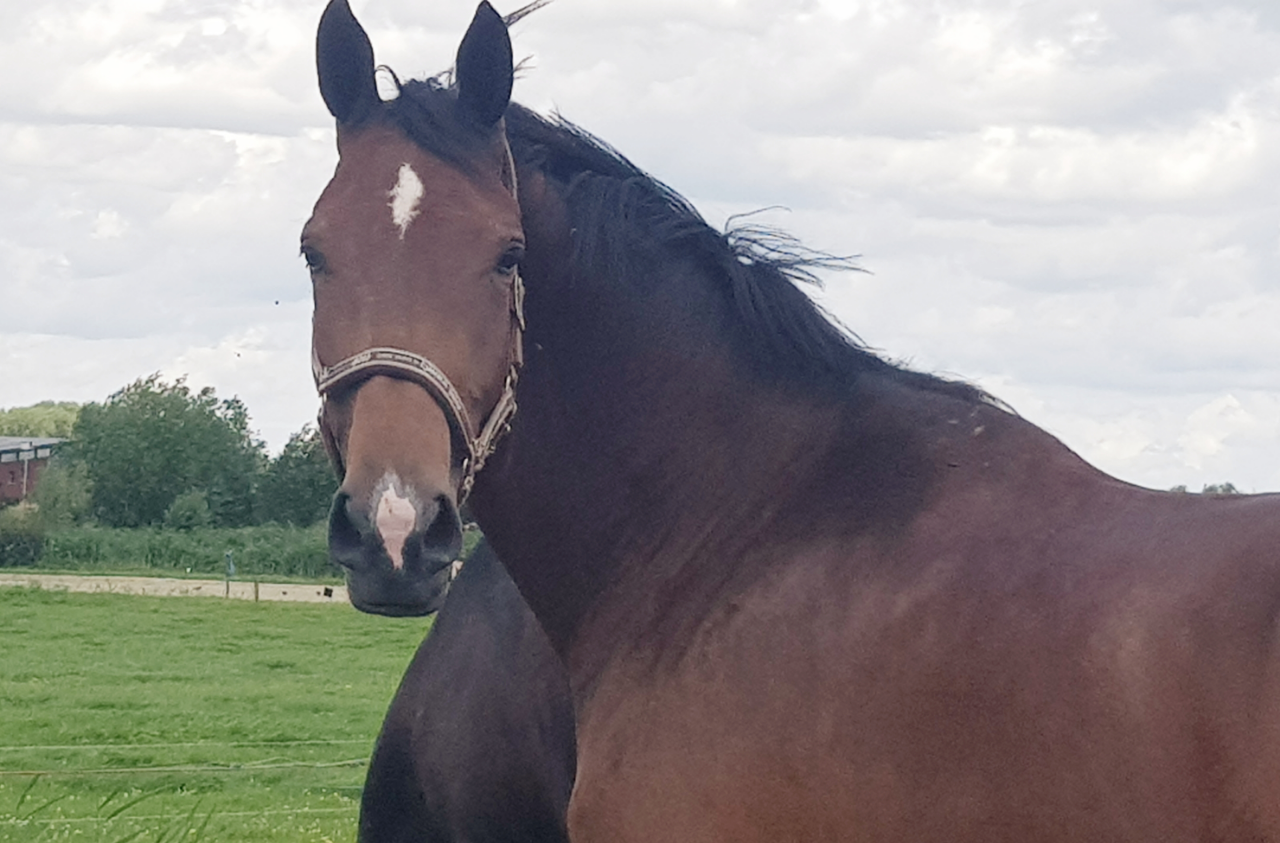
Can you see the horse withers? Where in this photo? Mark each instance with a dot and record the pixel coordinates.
(478, 744)
(801, 593)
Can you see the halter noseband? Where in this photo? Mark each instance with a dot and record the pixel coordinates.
(407, 365)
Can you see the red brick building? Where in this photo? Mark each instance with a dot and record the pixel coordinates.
(22, 458)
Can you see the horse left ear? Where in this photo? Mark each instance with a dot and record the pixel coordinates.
(484, 67)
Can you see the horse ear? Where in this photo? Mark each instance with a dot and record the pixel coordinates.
(484, 67)
(344, 62)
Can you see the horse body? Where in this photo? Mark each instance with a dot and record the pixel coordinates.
(998, 643)
(478, 744)
(951, 705)
(802, 593)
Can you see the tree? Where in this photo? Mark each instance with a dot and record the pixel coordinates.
(48, 418)
(1220, 489)
(152, 441)
(297, 487)
(1211, 489)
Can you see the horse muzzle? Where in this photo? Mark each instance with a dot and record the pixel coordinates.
(396, 551)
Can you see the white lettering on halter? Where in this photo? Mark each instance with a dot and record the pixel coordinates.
(405, 197)
(394, 517)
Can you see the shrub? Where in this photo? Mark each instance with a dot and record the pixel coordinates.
(188, 511)
(268, 550)
(21, 535)
(65, 493)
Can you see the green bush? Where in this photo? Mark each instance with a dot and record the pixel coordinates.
(268, 550)
(64, 495)
(21, 535)
(188, 511)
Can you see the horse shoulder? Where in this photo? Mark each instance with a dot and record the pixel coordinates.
(1032, 616)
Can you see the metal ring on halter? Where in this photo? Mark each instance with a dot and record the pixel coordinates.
(408, 365)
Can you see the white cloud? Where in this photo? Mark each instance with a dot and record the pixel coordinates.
(1207, 429)
(1073, 206)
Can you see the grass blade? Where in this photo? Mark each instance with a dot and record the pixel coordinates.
(26, 793)
(200, 831)
(46, 804)
(130, 837)
(110, 796)
(126, 806)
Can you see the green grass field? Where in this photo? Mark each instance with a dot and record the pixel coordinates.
(155, 719)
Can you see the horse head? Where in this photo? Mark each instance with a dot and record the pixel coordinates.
(413, 249)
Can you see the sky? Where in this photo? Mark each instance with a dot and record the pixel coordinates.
(1074, 205)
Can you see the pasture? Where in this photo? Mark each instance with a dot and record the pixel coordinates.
(162, 719)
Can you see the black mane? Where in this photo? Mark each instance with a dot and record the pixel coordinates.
(620, 211)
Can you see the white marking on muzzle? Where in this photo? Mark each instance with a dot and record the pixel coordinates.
(405, 197)
(394, 518)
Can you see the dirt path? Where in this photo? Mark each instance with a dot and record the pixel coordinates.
(167, 587)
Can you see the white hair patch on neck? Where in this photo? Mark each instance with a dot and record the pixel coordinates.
(405, 197)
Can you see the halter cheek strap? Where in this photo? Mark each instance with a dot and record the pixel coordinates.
(407, 365)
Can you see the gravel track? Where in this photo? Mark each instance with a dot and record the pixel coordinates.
(169, 587)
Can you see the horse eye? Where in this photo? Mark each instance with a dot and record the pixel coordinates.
(315, 260)
(510, 260)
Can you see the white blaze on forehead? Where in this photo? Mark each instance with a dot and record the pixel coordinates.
(394, 519)
(405, 197)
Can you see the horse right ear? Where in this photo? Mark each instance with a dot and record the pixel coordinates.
(484, 67)
(344, 62)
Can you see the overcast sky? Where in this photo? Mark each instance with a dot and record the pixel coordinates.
(1074, 205)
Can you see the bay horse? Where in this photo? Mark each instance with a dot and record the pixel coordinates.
(478, 744)
(801, 593)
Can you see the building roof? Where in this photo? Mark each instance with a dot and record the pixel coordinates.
(26, 443)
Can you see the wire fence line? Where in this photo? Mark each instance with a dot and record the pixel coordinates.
(246, 767)
(138, 818)
(87, 746)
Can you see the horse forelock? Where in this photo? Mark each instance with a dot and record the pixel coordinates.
(426, 111)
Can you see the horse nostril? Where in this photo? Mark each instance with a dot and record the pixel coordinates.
(441, 541)
(346, 539)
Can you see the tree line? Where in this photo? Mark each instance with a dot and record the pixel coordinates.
(162, 454)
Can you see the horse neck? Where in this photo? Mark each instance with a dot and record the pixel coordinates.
(640, 452)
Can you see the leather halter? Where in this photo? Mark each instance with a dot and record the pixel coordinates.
(410, 366)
